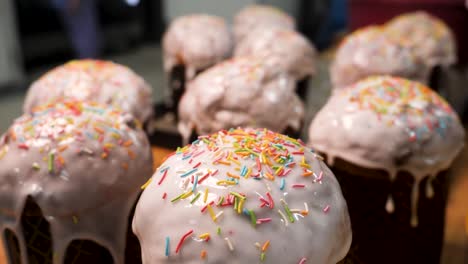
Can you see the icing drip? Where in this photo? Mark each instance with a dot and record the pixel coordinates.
(392, 124)
(429, 187)
(242, 196)
(82, 164)
(414, 203)
(390, 205)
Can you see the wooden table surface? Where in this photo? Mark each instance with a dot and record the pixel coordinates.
(456, 232)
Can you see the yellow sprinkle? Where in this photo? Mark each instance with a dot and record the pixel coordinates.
(258, 245)
(226, 183)
(75, 220)
(269, 176)
(224, 162)
(249, 171)
(212, 214)
(205, 197)
(146, 184)
(187, 194)
(240, 206)
(204, 235)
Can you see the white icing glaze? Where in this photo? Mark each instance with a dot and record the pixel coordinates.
(239, 92)
(321, 229)
(196, 41)
(260, 16)
(56, 157)
(429, 37)
(104, 82)
(390, 123)
(370, 51)
(281, 49)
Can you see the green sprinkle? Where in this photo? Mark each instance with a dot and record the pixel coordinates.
(178, 197)
(51, 162)
(262, 256)
(238, 195)
(75, 220)
(195, 198)
(220, 201)
(253, 218)
(288, 211)
(218, 230)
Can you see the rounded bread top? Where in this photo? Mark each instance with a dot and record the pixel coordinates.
(243, 196)
(389, 123)
(99, 81)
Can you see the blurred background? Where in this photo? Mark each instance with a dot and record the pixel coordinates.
(36, 35)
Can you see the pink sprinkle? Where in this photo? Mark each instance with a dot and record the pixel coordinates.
(319, 178)
(298, 185)
(302, 261)
(286, 172)
(298, 153)
(326, 209)
(263, 220)
(190, 161)
(198, 154)
(214, 172)
(289, 145)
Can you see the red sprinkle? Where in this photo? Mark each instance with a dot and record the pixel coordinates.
(179, 246)
(196, 166)
(163, 177)
(203, 178)
(164, 196)
(259, 166)
(206, 206)
(271, 202)
(298, 185)
(23, 146)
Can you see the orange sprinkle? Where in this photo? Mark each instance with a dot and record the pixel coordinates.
(99, 130)
(269, 176)
(127, 143)
(307, 173)
(304, 213)
(125, 166)
(62, 148)
(233, 176)
(104, 155)
(266, 245)
(224, 162)
(131, 154)
(203, 254)
(60, 160)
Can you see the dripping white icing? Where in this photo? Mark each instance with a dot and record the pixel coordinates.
(391, 124)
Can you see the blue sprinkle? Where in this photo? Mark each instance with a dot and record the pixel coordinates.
(186, 157)
(164, 169)
(243, 171)
(246, 212)
(167, 246)
(188, 173)
(89, 135)
(195, 183)
(283, 184)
